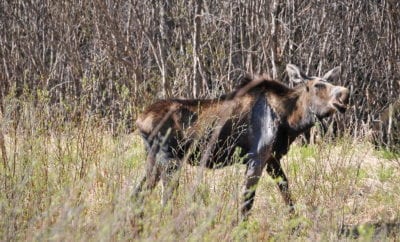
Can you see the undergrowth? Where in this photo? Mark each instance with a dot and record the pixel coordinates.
(74, 182)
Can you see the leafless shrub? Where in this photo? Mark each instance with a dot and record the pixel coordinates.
(113, 57)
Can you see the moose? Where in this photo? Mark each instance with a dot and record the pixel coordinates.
(259, 119)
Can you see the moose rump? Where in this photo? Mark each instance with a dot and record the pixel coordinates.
(262, 117)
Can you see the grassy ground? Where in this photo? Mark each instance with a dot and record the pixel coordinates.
(74, 183)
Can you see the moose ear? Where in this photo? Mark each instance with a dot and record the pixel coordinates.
(295, 74)
(332, 75)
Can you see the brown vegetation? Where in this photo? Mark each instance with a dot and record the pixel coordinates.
(114, 57)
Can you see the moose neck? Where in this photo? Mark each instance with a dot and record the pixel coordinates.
(301, 117)
(292, 105)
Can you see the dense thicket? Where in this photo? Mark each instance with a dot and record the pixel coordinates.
(113, 57)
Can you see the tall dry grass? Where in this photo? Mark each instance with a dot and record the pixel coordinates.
(72, 181)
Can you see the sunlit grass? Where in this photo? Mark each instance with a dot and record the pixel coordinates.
(75, 182)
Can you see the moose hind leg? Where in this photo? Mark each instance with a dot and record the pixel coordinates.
(152, 171)
(148, 182)
(168, 166)
(275, 170)
(169, 179)
(152, 168)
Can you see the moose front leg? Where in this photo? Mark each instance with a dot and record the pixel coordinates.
(275, 170)
(263, 131)
(253, 173)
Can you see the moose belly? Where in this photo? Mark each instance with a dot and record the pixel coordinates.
(225, 152)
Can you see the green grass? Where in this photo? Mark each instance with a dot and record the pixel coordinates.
(73, 182)
(388, 154)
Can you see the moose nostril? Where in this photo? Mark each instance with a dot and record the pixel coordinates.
(341, 94)
(345, 95)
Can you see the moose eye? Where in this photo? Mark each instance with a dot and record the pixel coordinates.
(319, 86)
